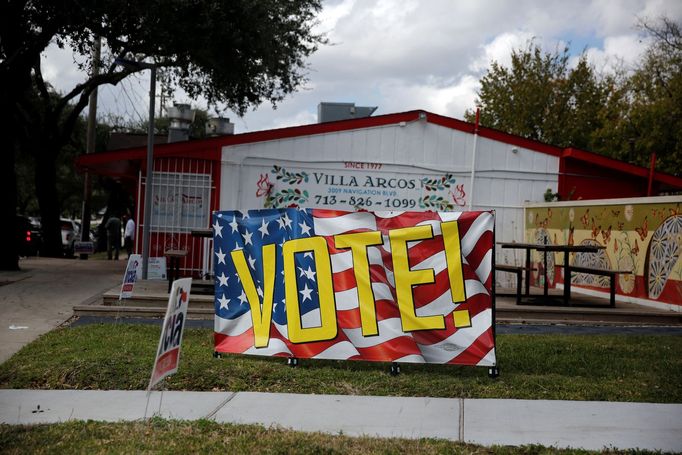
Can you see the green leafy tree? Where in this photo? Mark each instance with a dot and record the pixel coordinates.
(626, 115)
(237, 52)
(540, 97)
(645, 113)
(197, 128)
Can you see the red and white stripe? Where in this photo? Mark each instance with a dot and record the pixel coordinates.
(471, 346)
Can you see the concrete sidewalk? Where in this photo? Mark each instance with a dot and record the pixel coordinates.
(41, 296)
(577, 424)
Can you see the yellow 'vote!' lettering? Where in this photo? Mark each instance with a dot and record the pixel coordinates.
(261, 317)
(453, 256)
(328, 328)
(405, 279)
(358, 244)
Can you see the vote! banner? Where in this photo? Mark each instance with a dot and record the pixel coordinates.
(379, 286)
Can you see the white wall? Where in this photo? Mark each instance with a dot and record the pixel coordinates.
(506, 176)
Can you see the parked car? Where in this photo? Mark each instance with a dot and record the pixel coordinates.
(28, 236)
(70, 232)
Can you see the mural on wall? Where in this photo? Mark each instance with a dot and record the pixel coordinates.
(643, 238)
(359, 185)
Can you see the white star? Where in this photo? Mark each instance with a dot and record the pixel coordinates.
(284, 302)
(259, 291)
(252, 262)
(237, 247)
(246, 215)
(308, 254)
(234, 225)
(223, 302)
(238, 279)
(306, 293)
(305, 229)
(302, 271)
(263, 229)
(281, 223)
(218, 229)
(223, 279)
(287, 220)
(247, 237)
(310, 274)
(242, 297)
(221, 256)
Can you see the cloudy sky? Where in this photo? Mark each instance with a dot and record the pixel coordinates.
(401, 55)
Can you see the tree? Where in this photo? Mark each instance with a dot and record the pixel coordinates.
(540, 97)
(237, 52)
(626, 115)
(197, 128)
(69, 182)
(648, 104)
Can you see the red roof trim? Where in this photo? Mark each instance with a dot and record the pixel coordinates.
(496, 135)
(320, 128)
(211, 148)
(195, 147)
(199, 149)
(605, 161)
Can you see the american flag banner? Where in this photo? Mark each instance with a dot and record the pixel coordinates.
(380, 286)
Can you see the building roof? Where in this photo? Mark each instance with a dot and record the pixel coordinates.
(126, 162)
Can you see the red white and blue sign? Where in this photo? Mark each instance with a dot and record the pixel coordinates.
(168, 352)
(379, 286)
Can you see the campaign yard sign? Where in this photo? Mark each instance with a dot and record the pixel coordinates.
(379, 286)
(156, 269)
(132, 269)
(168, 353)
(83, 247)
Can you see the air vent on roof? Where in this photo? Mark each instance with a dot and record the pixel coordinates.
(181, 116)
(330, 112)
(219, 126)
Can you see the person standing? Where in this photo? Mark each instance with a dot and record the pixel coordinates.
(129, 235)
(113, 227)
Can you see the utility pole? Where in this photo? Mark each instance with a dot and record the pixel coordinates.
(91, 139)
(149, 183)
(162, 93)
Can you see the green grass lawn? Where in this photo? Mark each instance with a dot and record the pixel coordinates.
(162, 436)
(567, 367)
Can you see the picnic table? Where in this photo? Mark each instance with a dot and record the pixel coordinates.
(202, 232)
(551, 248)
(174, 257)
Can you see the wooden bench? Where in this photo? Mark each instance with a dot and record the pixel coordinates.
(602, 272)
(518, 271)
(174, 265)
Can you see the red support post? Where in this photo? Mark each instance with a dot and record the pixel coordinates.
(652, 168)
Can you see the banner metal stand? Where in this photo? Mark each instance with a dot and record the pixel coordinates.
(494, 371)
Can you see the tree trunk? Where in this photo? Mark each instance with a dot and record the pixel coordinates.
(46, 192)
(9, 253)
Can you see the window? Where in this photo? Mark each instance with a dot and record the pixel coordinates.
(180, 201)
